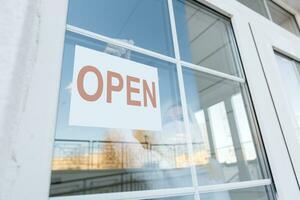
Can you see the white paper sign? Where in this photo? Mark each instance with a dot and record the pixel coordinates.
(112, 92)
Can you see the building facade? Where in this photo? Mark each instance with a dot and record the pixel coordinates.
(150, 99)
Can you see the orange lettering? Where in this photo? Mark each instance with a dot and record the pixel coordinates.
(131, 89)
(80, 86)
(111, 87)
(146, 92)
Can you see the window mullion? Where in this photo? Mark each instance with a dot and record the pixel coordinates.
(183, 98)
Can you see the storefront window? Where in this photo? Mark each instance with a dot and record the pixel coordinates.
(208, 134)
(99, 160)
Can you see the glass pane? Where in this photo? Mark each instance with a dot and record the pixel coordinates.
(256, 193)
(205, 38)
(256, 5)
(140, 22)
(223, 137)
(283, 18)
(99, 160)
(291, 79)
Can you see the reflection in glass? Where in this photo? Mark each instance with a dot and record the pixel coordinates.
(221, 131)
(140, 22)
(256, 193)
(289, 70)
(240, 116)
(283, 18)
(89, 160)
(256, 5)
(298, 67)
(99, 160)
(276, 13)
(205, 38)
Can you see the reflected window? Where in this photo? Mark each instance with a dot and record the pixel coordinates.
(256, 5)
(221, 133)
(291, 78)
(243, 127)
(222, 136)
(283, 18)
(205, 37)
(138, 22)
(275, 13)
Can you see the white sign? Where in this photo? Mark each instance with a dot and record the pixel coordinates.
(112, 92)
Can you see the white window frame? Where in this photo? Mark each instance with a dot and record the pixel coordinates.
(43, 96)
(267, 44)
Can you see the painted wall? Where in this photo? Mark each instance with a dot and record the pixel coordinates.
(31, 45)
(19, 22)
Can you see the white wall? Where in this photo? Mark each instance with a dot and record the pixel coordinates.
(31, 45)
(19, 22)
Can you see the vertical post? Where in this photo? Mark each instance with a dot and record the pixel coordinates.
(241, 162)
(183, 99)
(209, 134)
